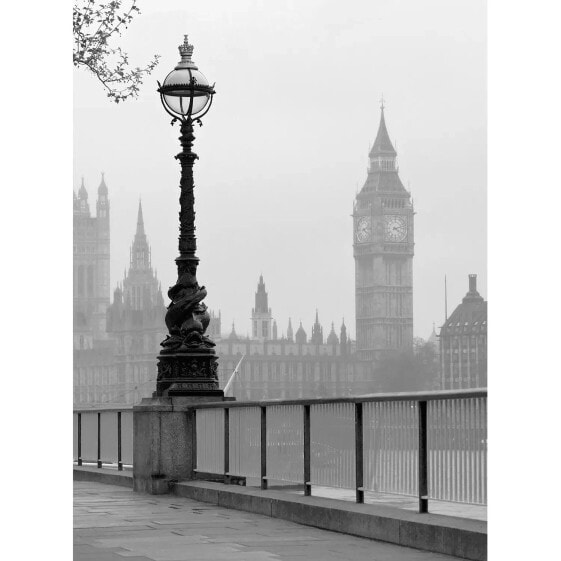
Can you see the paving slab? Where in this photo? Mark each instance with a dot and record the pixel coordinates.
(135, 527)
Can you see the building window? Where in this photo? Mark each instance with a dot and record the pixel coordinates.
(81, 281)
(90, 280)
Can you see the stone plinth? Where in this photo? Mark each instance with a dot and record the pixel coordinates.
(188, 374)
(164, 441)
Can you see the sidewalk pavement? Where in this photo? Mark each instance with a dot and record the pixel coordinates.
(114, 524)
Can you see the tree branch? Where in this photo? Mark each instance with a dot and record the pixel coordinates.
(92, 49)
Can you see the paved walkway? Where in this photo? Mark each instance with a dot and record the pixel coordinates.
(112, 523)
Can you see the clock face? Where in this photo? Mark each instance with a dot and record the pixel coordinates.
(395, 228)
(363, 229)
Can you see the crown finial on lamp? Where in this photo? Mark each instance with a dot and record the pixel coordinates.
(186, 50)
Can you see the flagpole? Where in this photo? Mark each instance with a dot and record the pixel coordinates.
(227, 387)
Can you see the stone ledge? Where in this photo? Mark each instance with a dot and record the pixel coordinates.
(108, 476)
(459, 537)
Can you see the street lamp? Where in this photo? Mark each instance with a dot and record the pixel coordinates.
(187, 364)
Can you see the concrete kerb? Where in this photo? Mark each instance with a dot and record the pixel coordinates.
(459, 537)
(107, 476)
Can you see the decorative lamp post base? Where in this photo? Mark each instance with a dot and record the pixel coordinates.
(188, 374)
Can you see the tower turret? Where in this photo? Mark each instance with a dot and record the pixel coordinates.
(102, 189)
(138, 309)
(301, 337)
(383, 251)
(289, 331)
(91, 269)
(317, 332)
(102, 206)
(83, 205)
(343, 338)
(261, 318)
(332, 338)
(141, 288)
(233, 335)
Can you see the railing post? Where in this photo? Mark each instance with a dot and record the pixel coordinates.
(79, 439)
(307, 471)
(227, 446)
(359, 453)
(192, 421)
(119, 451)
(263, 447)
(423, 464)
(99, 463)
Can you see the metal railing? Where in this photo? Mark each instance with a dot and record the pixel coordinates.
(432, 445)
(103, 437)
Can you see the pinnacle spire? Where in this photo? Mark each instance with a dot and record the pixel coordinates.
(289, 331)
(82, 193)
(140, 254)
(382, 145)
(102, 189)
(332, 338)
(317, 332)
(261, 298)
(140, 220)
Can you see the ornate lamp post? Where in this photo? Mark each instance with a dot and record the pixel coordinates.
(187, 364)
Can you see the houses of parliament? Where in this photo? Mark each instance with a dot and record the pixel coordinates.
(116, 342)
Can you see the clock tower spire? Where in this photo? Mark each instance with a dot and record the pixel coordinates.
(383, 244)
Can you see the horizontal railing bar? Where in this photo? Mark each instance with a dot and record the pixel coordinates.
(368, 398)
(381, 397)
(102, 410)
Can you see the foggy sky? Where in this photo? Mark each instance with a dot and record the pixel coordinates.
(284, 147)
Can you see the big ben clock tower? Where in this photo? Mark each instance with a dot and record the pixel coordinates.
(383, 242)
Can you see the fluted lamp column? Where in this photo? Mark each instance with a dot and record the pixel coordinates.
(187, 363)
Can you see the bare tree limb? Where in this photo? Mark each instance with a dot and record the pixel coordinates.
(94, 26)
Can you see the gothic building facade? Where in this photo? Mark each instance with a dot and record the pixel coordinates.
(115, 345)
(91, 266)
(93, 351)
(383, 244)
(135, 321)
(267, 366)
